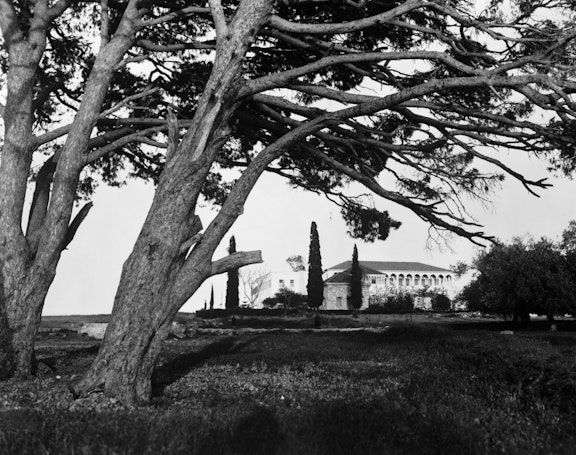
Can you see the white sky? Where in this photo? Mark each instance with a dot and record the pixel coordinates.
(277, 220)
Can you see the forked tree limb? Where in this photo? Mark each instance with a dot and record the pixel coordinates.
(196, 235)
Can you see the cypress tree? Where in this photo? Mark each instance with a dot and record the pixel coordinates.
(232, 299)
(315, 286)
(355, 282)
(212, 298)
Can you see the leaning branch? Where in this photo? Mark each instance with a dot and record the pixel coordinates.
(219, 18)
(175, 47)
(344, 27)
(280, 79)
(114, 145)
(104, 23)
(184, 12)
(236, 260)
(73, 228)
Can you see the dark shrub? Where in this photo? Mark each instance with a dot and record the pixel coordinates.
(441, 302)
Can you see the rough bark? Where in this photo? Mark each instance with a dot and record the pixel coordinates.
(17, 150)
(28, 261)
(159, 277)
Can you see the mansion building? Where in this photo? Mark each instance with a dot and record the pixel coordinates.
(385, 277)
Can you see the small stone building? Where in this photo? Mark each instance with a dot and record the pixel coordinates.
(337, 290)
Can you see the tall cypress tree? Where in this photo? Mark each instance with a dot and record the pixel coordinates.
(355, 282)
(315, 286)
(212, 298)
(232, 299)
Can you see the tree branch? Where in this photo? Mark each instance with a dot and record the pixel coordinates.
(184, 12)
(58, 8)
(9, 24)
(344, 27)
(104, 23)
(173, 130)
(154, 47)
(125, 101)
(73, 228)
(235, 261)
(219, 18)
(102, 151)
(196, 235)
(280, 79)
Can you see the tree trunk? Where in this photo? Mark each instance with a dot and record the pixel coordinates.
(24, 319)
(159, 276)
(522, 317)
(7, 355)
(28, 262)
(15, 164)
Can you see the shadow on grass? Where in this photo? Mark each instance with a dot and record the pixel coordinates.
(533, 326)
(65, 359)
(181, 365)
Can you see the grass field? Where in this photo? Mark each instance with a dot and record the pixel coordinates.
(452, 388)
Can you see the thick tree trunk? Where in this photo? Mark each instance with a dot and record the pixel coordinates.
(133, 340)
(151, 289)
(24, 315)
(16, 158)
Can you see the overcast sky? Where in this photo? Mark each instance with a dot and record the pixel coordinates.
(277, 221)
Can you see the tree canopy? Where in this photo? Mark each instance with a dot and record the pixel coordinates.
(419, 92)
(522, 278)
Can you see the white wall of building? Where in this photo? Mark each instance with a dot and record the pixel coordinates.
(295, 281)
(391, 282)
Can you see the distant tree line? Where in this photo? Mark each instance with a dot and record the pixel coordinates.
(525, 277)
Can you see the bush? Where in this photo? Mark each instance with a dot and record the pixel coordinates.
(287, 299)
(441, 302)
(400, 303)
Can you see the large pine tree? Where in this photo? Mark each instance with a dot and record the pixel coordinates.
(232, 299)
(315, 286)
(355, 282)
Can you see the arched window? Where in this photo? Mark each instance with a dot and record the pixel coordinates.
(392, 280)
(433, 280)
(440, 280)
(424, 280)
(408, 280)
(416, 280)
(448, 280)
(400, 280)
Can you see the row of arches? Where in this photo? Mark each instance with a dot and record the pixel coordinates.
(406, 280)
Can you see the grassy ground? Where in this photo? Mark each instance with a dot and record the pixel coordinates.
(457, 388)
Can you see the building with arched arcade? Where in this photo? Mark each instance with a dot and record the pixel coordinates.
(384, 277)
